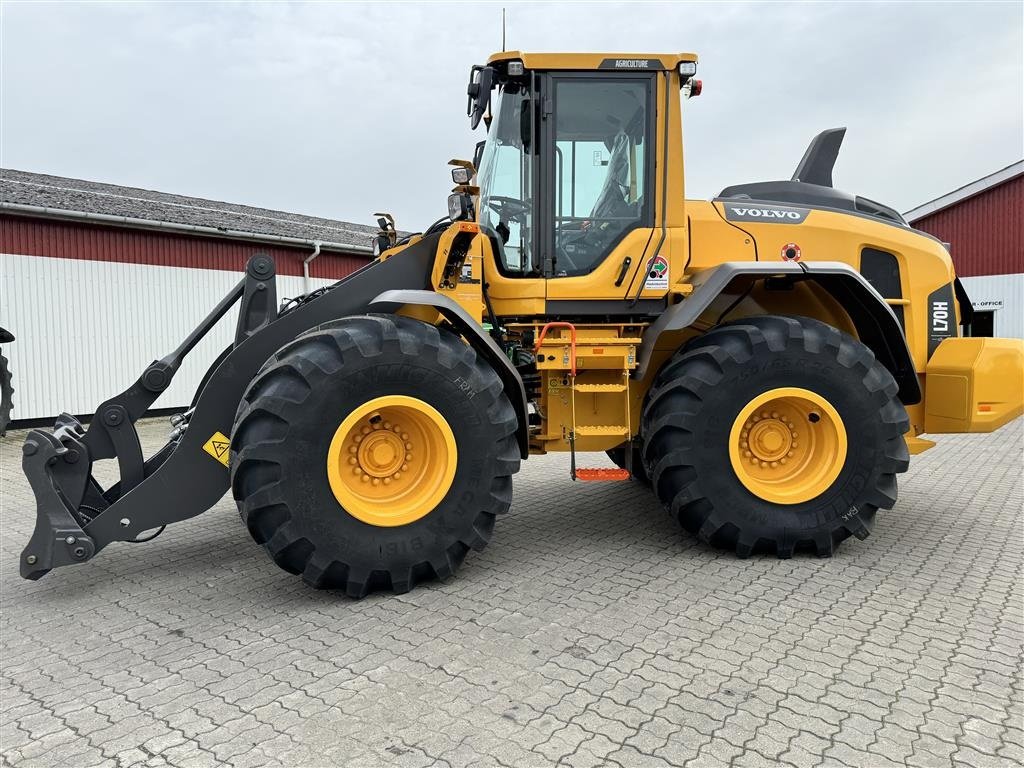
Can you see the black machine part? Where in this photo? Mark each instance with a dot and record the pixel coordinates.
(75, 517)
(811, 184)
(820, 158)
(6, 384)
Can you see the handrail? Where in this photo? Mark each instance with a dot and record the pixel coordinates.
(572, 341)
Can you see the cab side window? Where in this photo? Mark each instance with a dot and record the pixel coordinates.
(601, 154)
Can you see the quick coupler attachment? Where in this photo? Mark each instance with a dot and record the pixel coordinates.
(57, 467)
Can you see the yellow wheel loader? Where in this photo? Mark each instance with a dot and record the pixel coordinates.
(765, 362)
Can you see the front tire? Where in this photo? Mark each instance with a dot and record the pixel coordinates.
(775, 434)
(373, 453)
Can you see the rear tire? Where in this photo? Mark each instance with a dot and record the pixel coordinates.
(285, 433)
(698, 399)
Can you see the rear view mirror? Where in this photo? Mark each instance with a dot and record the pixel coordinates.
(481, 79)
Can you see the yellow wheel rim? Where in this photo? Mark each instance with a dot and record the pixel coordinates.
(788, 445)
(391, 460)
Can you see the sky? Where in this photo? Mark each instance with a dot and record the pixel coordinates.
(340, 110)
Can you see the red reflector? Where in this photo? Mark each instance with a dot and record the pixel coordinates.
(985, 408)
(696, 86)
(601, 474)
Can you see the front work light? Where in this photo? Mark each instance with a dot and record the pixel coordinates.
(461, 175)
(515, 69)
(460, 206)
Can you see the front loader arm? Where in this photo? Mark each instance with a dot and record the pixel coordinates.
(76, 518)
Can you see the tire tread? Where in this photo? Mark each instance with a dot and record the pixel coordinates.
(289, 378)
(679, 389)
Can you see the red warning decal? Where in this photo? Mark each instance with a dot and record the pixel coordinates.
(791, 252)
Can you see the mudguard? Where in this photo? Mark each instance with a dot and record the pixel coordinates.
(876, 324)
(478, 338)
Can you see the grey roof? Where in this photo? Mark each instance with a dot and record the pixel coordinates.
(1001, 176)
(77, 195)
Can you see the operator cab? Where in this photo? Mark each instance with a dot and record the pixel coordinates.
(567, 168)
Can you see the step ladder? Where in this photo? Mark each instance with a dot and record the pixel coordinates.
(592, 474)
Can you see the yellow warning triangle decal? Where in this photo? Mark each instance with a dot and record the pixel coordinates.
(218, 446)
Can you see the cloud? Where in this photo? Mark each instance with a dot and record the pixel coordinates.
(340, 110)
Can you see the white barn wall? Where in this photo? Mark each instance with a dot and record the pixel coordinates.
(85, 330)
(1006, 294)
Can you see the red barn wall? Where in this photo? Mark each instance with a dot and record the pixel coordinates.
(985, 232)
(73, 240)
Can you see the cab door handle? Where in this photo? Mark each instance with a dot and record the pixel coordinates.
(622, 272)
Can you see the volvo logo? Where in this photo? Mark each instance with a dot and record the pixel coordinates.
(773, 214)
(767, 213)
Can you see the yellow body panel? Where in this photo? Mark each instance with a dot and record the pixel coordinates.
(974, 385)
(587, 61)
(594, 401)
(968, 385)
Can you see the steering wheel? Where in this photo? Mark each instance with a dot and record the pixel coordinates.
(507, 208)
(563, 261)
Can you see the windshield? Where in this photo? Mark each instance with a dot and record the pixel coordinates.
(506, 178)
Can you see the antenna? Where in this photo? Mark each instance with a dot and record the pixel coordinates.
(502, 30)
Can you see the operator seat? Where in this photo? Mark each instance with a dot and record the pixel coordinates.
(611, 202)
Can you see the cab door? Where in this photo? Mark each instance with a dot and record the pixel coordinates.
(597, 179)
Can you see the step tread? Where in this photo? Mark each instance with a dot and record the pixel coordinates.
(602, 430)
(600, 387)
(601, 474)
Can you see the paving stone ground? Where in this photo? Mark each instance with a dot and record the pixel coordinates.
(591, 632)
